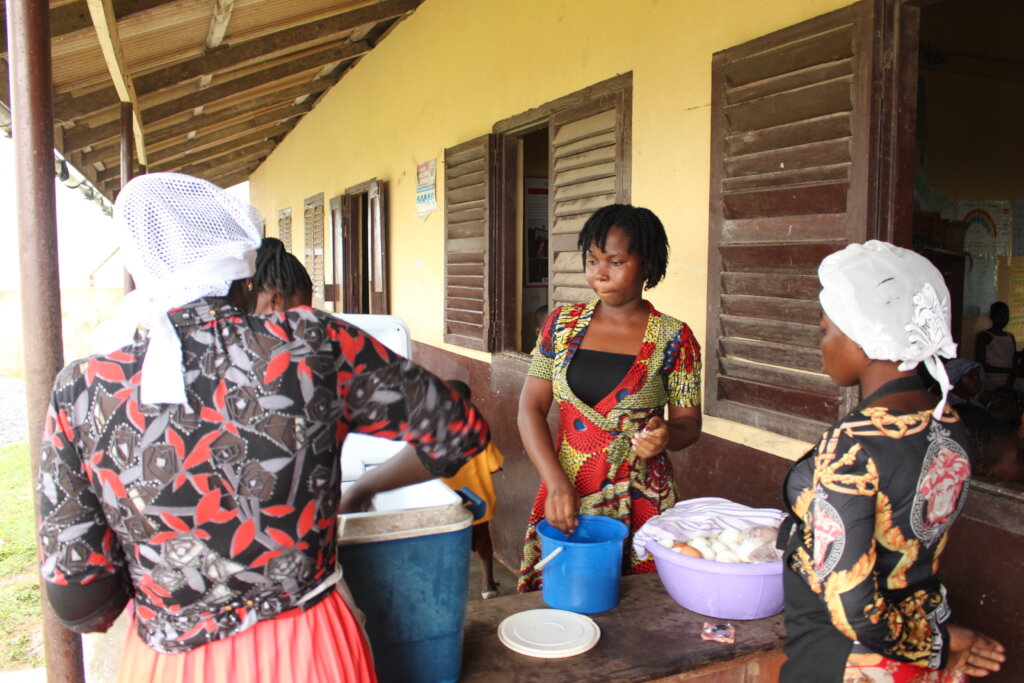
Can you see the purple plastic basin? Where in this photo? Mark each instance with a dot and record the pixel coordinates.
(722, 590)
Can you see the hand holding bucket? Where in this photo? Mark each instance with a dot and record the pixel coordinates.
(585, 579)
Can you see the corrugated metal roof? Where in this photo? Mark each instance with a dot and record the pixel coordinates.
(218, 82)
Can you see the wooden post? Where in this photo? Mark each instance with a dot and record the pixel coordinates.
(127, 166)
(28, 40)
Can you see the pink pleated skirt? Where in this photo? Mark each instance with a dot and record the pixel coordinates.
(324, 644)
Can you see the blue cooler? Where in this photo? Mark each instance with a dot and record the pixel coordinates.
(407, 564)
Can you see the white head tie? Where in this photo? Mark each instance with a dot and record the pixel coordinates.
(893, 303)
(182, 238)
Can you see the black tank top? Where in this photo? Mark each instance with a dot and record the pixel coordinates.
(593, 374)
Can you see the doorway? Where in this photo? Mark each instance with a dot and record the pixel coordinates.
(360, 250)
(967, 176)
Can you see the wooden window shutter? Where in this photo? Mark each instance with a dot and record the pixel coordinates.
(469, 198)
(284, 227)
(313, 214)
(590, 168)
(378, 243)
(792, 175)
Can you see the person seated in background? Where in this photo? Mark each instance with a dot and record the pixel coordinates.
(476, 476)
(967, 380)
(996, 350)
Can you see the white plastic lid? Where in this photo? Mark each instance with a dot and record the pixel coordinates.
(549, 633)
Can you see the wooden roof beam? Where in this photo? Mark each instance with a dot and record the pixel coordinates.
(105, 21)
(238, 157)
(81, 106)
(83, 137)
(108, 155)
(75, 16)
(251, 81)
(182, 154)
(233, 177)
(222, 167)
(67, 107)
(219, 22)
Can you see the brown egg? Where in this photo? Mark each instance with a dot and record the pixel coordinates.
(686, 549)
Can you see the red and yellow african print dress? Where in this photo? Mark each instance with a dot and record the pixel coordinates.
(593, 443)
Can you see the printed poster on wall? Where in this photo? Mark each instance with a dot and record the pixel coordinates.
(979, 285)
(1016, 299)
(426, 188)
(1018, 227)
(989, 229)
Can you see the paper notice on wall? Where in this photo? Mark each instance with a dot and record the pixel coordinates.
(426, 188)
(979, 286)
(989, 228)
(1018, 227)
(1016, 299)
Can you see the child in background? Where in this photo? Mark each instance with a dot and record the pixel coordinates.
(996, 350)
(476, 476)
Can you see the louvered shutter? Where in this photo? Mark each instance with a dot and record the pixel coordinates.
(284, 228)
(791, 151)
(313, 215)
(590, 159)
(468, 275)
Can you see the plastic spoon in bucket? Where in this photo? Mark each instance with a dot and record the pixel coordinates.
(553, 555)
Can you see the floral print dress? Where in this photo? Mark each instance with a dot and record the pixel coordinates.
(593, 443)
(222, 513)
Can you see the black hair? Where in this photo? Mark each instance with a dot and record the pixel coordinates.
(280, 270)
(461, 388)
(998, 306)
(647, 238)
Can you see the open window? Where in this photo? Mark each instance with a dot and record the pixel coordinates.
(796, 173)
(360, 250)
(515, 201)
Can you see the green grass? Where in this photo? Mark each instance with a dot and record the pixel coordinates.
(20, 625)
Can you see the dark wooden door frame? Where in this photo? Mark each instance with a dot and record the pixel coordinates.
(349, 279)
(894, 141)
(503, 234)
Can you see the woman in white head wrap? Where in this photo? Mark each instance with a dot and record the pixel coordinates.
(872, 503)
(193, 467)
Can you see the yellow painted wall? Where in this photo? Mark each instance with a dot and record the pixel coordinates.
(451, 70)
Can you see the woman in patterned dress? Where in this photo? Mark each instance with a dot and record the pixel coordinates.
(613, 365)
(195, 469)
(872, 504)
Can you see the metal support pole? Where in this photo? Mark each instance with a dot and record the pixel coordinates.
(127, 166)
(28, 40)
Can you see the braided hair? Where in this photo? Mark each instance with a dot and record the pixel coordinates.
(647, 238)
(280, 270)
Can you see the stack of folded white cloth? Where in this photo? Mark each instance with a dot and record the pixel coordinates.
(689, 519)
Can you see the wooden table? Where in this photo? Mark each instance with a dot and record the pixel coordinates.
(647, 637)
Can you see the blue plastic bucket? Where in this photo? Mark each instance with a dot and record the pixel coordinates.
(584, 577)
(408, 571)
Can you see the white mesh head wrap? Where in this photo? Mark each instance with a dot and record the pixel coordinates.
(182, 238)
(893, 303)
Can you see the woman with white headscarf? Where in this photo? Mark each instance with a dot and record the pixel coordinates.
(194, 468)
(871, 505)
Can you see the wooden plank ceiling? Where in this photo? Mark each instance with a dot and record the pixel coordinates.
(217, 83)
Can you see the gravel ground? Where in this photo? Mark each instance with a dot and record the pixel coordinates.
(13, 427)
